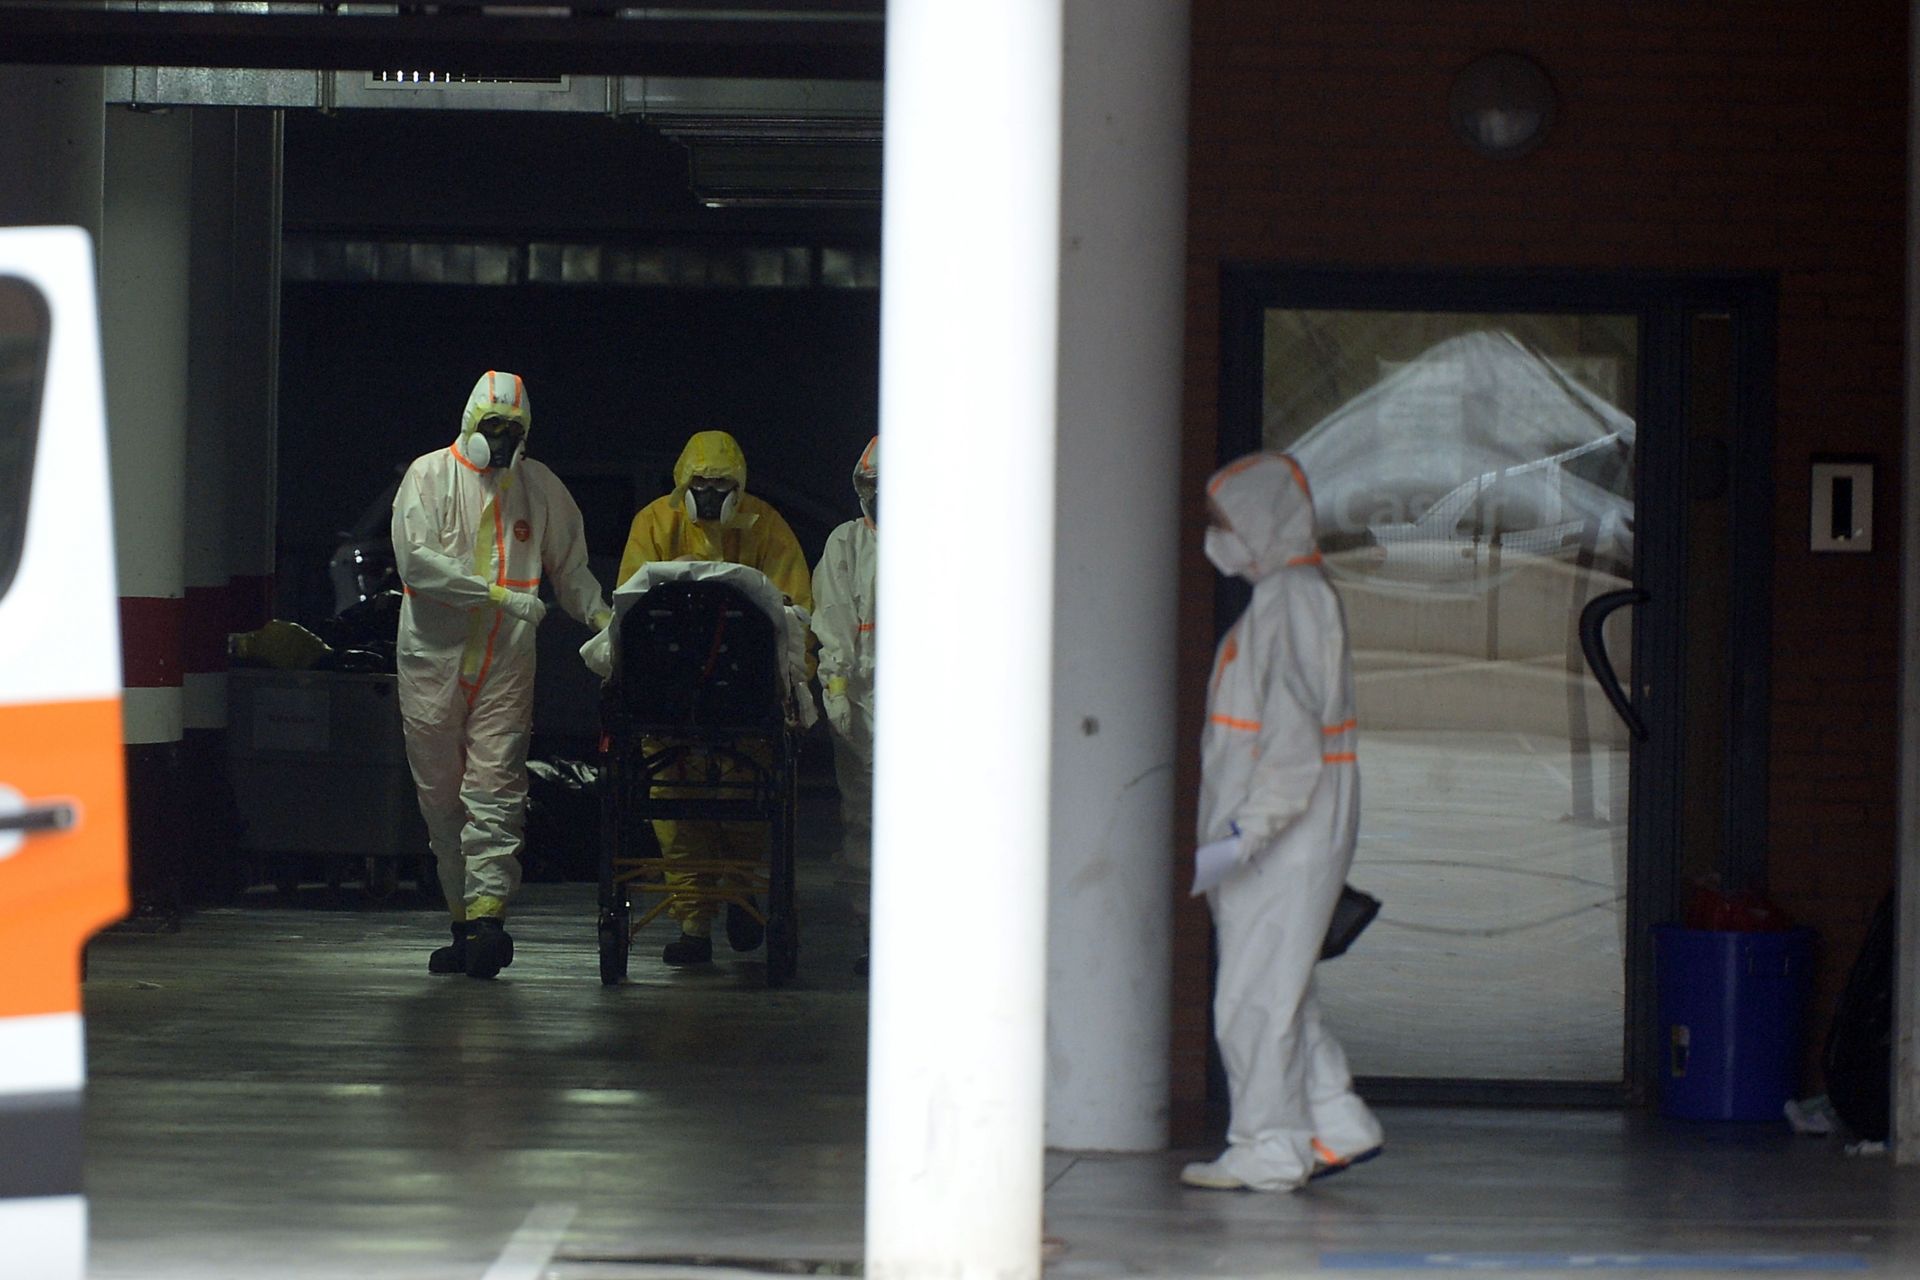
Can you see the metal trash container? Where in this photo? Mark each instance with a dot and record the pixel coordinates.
(319, 765)
(1731, 1007)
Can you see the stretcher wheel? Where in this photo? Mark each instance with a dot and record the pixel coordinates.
(783, 950)
(615, 944)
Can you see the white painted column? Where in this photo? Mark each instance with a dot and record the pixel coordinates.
(51, 147)
(1906, 1055)
(144, 252)
(209, 420)
(253, 476)
(968, 333)
(1116, 591)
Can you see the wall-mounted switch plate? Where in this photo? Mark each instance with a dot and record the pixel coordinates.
(1842, 506)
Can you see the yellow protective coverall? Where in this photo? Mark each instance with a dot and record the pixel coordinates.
(754, 535)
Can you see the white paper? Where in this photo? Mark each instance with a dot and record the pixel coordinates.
(1213, 862)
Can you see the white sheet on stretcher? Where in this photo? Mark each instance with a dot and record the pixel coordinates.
(790, 622)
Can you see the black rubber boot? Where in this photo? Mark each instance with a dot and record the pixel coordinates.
(744, 933)
(687, 949)
(452, 959)
(490, 949)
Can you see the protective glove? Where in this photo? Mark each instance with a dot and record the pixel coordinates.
(833, 699)
(523, 605)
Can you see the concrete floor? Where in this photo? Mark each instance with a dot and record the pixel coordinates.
(282, 1091)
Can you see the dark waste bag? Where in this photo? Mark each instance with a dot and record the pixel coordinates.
(1858, 1063)
(563, 821)
(1353, 913)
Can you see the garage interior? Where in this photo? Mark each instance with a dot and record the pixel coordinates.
(671, 234)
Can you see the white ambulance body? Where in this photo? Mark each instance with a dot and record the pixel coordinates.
(62, 790)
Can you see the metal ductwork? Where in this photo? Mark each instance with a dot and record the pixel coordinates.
(751, 139)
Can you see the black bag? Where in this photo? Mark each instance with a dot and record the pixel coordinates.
(1858, 1062)
(699, 653)
(1352, 914)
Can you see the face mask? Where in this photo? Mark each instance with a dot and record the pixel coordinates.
(1228, 551)
(870, 507)
(501, 447)
(710, 505)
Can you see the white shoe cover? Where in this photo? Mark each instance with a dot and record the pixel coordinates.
(1219, 1175)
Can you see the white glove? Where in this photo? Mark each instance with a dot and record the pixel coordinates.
(523, 605)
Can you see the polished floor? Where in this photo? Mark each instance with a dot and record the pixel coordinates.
(279, 1090)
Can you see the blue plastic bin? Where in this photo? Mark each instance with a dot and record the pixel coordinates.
(1730, 1008)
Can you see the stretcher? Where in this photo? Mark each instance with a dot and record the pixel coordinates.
(703, 705)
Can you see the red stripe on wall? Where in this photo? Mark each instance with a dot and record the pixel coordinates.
(152, 636)
(203, 645)
(249, 601)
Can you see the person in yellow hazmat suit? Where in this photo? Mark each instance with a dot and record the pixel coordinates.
(711, 516)
(476, 527)
(843, 622)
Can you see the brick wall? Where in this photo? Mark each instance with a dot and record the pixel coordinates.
(1750, 135)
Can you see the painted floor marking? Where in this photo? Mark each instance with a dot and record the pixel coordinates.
(1684, 1262)
(534, 1244)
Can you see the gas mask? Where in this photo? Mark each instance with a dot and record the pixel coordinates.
(712, 501)
(494, 443)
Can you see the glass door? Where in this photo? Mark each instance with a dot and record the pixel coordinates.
(1473, 478)
(1496, 457)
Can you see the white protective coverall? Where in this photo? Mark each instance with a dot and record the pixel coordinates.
(843, 614)
(1277, 766)
(468, 540)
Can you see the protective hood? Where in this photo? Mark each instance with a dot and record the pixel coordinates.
(1263, 501)
(495, 395)
(714, 455)
(866, 476)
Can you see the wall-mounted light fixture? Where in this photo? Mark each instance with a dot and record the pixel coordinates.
(1502, 104)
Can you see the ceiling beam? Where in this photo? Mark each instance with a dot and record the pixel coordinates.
(848, 46)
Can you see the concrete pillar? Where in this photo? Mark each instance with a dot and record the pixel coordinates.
(968, 333)
(51, 148)
(254, 368)
(1906, 1055)
(145, 249)
(208, 852)
(1122, 339)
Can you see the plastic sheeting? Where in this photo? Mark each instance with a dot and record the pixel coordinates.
(1479, 449)
(601, 654)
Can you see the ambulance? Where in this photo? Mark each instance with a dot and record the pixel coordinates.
(63, 856)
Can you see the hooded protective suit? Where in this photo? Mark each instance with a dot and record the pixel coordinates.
(844, 610)
(750, 533)
(473, 546)
(1277, 768)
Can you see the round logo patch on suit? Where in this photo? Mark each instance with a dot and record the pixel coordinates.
(522, 531)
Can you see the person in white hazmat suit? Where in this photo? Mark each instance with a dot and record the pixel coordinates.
(1279, 780)
(477, 527)
(843, 615)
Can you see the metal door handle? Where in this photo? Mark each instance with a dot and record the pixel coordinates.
(1594, 645)
(31, 822)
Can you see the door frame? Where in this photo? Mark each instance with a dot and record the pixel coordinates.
(1663, 304)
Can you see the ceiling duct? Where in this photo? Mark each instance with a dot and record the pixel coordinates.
(770, 142)
(751, 140)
